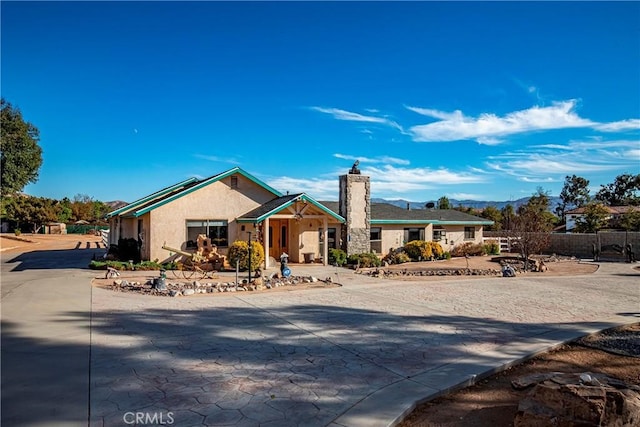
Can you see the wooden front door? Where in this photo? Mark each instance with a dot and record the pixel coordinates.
(278, 238)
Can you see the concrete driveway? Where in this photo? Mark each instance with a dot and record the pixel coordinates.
(362, 354)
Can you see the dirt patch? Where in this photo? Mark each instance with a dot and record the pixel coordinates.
(494, 402)
(45, 242)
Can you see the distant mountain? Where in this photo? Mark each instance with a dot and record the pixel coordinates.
(474, 204)
(116, 204)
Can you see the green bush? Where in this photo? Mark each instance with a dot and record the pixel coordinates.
(419, 250)
(239, 252)
(17, 232)
(468, 248)
(337, 257)
(492, 247)
(446, 255)
(399, 258)
(123, 265)
(364, 260)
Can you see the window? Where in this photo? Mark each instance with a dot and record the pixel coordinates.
(376, 239)
(331, 236)
(439, 234)
(376, 233)
(411, 234)
(217, 230)
(234, 181)
(469, 233)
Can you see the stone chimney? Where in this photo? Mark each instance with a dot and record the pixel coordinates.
(355, 208)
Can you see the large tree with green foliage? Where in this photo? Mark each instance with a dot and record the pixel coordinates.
(443, 203)
(574, 194)
(493, 214)
(31, 211)
(625, 190)
(595, 217)
(21, 156)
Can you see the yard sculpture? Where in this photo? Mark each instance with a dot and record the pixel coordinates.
(203, 263)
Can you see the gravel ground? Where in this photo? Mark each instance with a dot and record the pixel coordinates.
(624, 341)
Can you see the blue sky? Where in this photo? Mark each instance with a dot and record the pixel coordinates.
(484, 101)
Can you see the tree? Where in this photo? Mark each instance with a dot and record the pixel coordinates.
(574, 194)
(21, 156)
(532, 226)
(630, 220)
(34, 211)
(493, 214)
(443, 203)
(65, 212)
(596, 216)
(508, 217)
(622, 192)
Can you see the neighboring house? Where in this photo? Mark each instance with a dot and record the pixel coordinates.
(231, 205)
(615, 213)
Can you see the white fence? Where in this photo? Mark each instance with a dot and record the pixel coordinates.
(506, 243)
(105, 238)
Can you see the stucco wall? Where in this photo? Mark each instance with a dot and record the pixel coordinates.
(393, 235)
(215, 201)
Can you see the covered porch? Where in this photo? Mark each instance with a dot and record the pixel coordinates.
(293, 224)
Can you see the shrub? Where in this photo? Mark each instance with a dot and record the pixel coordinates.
(469, 248)
(421, 250)
(123, 265)
(17, 232)
(364, 260)
(128, 250)
(446, 255)
(337, 257)
(398, 258)
(492, 247)
(239, 252)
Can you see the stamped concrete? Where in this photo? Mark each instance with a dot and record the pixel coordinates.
(362, 354)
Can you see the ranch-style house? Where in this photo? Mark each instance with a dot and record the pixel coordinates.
(234, 205)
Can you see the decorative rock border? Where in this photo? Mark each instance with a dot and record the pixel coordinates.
(379, 272)
(176, 289)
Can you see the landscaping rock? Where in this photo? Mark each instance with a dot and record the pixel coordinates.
(188, 292)
(586, 399)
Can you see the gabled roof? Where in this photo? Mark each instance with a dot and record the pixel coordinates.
(276, 205)
(151, 197)
(169, 194)
(386, 213)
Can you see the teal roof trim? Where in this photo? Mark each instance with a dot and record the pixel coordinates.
(303, 197)
(204, 183)
(150, 197)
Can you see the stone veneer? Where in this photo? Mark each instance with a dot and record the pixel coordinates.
(355, 207)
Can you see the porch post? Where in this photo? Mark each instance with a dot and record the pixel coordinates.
(265, 234)
(325, 239)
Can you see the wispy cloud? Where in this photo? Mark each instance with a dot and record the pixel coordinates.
(551, 162)
(422, 176)
(321, 189)
(231, 160)
(490, 128)
(622, 125)
(379, 159)
(339, 114)
(468, 196)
